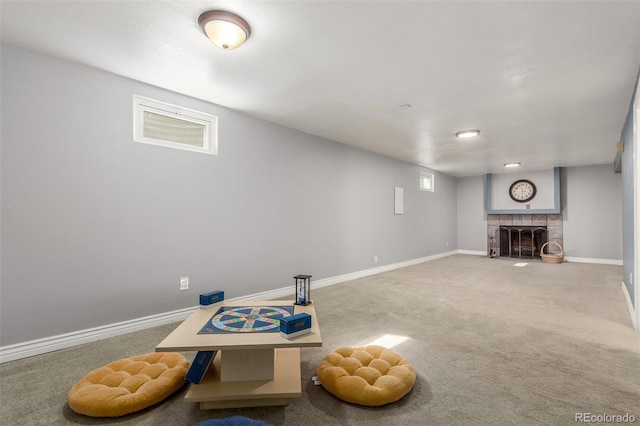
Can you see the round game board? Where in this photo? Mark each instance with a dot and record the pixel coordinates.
(249, 319)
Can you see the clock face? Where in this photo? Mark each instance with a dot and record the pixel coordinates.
(522, 190)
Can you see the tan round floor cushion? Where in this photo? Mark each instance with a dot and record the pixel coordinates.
(128, 385)
(370, 375)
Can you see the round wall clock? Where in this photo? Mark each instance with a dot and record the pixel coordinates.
(522, 190)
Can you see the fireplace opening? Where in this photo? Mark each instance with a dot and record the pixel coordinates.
(522, 241)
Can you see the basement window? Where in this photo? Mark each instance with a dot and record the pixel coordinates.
(172, 126)
(427, 182)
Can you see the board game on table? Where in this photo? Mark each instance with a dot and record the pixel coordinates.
(254, 365)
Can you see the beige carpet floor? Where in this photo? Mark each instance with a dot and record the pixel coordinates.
(492, 343)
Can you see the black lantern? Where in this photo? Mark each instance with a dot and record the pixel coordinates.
(303, 288)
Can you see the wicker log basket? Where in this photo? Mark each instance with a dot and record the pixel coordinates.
(551, 257)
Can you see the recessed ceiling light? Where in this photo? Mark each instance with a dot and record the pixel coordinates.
(512, 164)
(225, 29)
(467, 133)
(405, 106)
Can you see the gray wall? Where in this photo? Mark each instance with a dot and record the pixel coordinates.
(591, 201)
(628, 215)
(472, 215)
(544, 180)
(592, 218)
(98, 229)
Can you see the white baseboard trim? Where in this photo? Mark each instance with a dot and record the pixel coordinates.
(377, 270)
(62, 341)
(593, 260)
(473, 252)
(632, 312)
(617, 262)
(67, 340)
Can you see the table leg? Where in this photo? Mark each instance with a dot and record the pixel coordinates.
(244, 365)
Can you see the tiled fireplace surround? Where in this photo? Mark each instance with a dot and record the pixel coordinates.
(553, 222)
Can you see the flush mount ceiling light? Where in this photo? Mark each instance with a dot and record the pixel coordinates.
(512, 164)
(225, 29)
(467, 133)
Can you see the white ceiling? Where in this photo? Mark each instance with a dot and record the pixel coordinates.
(548, 83)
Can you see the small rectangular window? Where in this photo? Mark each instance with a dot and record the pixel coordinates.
(427, 182)
(163, 124)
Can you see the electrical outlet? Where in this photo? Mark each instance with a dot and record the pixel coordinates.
(184, 283)
(630, 278)
(447, 244)
(375, 259)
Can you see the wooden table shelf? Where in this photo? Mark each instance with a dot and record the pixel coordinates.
(259, 369)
